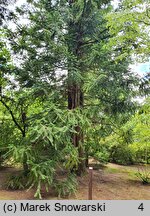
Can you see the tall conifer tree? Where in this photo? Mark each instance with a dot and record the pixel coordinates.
(62, 48)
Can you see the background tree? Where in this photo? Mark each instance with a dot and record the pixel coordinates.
(129, 144)
(129, 25)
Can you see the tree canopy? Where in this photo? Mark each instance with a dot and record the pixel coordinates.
(130, 26)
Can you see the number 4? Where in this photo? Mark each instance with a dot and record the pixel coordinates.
(141, 207)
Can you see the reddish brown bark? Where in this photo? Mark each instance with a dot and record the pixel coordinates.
(75, 100)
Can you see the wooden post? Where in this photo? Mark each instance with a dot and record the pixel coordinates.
(90, 183)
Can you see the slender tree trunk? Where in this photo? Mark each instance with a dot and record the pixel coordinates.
(25, 164)
(87, 160)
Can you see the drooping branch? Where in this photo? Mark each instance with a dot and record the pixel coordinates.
(12, 115)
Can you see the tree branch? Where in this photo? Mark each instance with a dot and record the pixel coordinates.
(97, 40)
(12, 115)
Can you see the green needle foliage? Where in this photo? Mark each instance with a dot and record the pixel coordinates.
(69, 92)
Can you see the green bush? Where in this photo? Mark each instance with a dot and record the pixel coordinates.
(121, 154)
(101, 156)
(98, 150)
(131, 142)
(141, 152)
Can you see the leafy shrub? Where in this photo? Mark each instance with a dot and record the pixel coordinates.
(101, 156)
(121, 154)
(98, 150)
(141, 133)
(141, 152)
(131, 142)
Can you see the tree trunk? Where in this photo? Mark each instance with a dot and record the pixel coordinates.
(75, 92)
(75, 100)
(25, 164)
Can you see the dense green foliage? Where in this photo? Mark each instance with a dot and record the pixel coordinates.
(64, 97)
(131, 143)
(130, 26)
